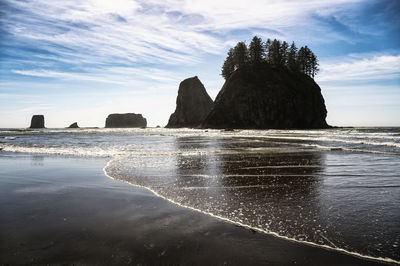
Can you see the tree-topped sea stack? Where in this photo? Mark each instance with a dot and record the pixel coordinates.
(267, 88)
(125, 120)
(192, 104)
(37, 121)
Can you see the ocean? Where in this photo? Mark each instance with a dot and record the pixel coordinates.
(337, 188)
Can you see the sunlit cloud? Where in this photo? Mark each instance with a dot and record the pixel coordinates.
(361, 67)
(112, 75)
(167, 32)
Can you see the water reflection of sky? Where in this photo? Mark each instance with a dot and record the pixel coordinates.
(333, 198)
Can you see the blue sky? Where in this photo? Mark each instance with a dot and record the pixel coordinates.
(80, 60)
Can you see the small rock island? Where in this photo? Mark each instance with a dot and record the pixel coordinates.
(37, 121)
(74, 125)
(193, 104)
(128, 120)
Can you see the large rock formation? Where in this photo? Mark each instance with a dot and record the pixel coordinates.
(192, 104)
(37, 121)
(264, 97)
(74, 125)
(126, 120)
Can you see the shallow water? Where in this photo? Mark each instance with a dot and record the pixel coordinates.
(338, 188)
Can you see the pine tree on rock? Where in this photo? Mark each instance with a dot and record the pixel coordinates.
(314, 65)
(229, 64)
(291, 59)
(275, 53)
(301, 60)
(284, 53)
(256, 51)
(267, 47)
(240, 55)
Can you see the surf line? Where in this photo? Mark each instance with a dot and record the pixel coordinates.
(352, 253)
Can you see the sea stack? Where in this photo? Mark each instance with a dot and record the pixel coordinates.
(192, 104)
(125, 120)
(74, 125)
(37, 121)
(267, 97)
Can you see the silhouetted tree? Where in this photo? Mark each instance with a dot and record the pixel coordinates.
(229, 65)
(291, 59)
(275, 53)
(267, 46)
(256, 50)
(275, 57)
(307, 61)
(314, 65)
(301, 60)
(284, 53)
(240, 55)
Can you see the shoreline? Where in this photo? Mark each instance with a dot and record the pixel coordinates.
(270, 233)
(204, 235)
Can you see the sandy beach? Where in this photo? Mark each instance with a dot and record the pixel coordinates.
(63, 210)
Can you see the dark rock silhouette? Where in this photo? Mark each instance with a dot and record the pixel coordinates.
(264, 97)
(192, 104)
(125, 120)
(37, 121)
(74, 125)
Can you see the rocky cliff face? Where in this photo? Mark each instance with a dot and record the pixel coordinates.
(192, 104)
(37, 121)
(126, 120)
(263, 97)
(74, 125)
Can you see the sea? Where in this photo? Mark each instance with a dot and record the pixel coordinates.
(337, 188)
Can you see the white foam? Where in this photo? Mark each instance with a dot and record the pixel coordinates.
(74, 151)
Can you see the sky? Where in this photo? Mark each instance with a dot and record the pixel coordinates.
(80, 60)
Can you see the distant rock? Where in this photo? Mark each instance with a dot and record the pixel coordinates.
(74, 125)
(37, 121)
(192, 104)
(265, 97)
(125, 120)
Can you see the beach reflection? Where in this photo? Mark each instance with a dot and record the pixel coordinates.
(274, 191)
(285, 188)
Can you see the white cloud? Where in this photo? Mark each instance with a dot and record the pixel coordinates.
(113, 75)
(115, 6)
(105, 40)
(361, 67)
(154, 31)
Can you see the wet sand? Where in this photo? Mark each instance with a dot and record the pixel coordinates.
(64, 210)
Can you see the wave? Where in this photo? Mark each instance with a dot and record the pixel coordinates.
(119, 151)
(257, 229)
(74, 151)
(339, 140)
(344, 148)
